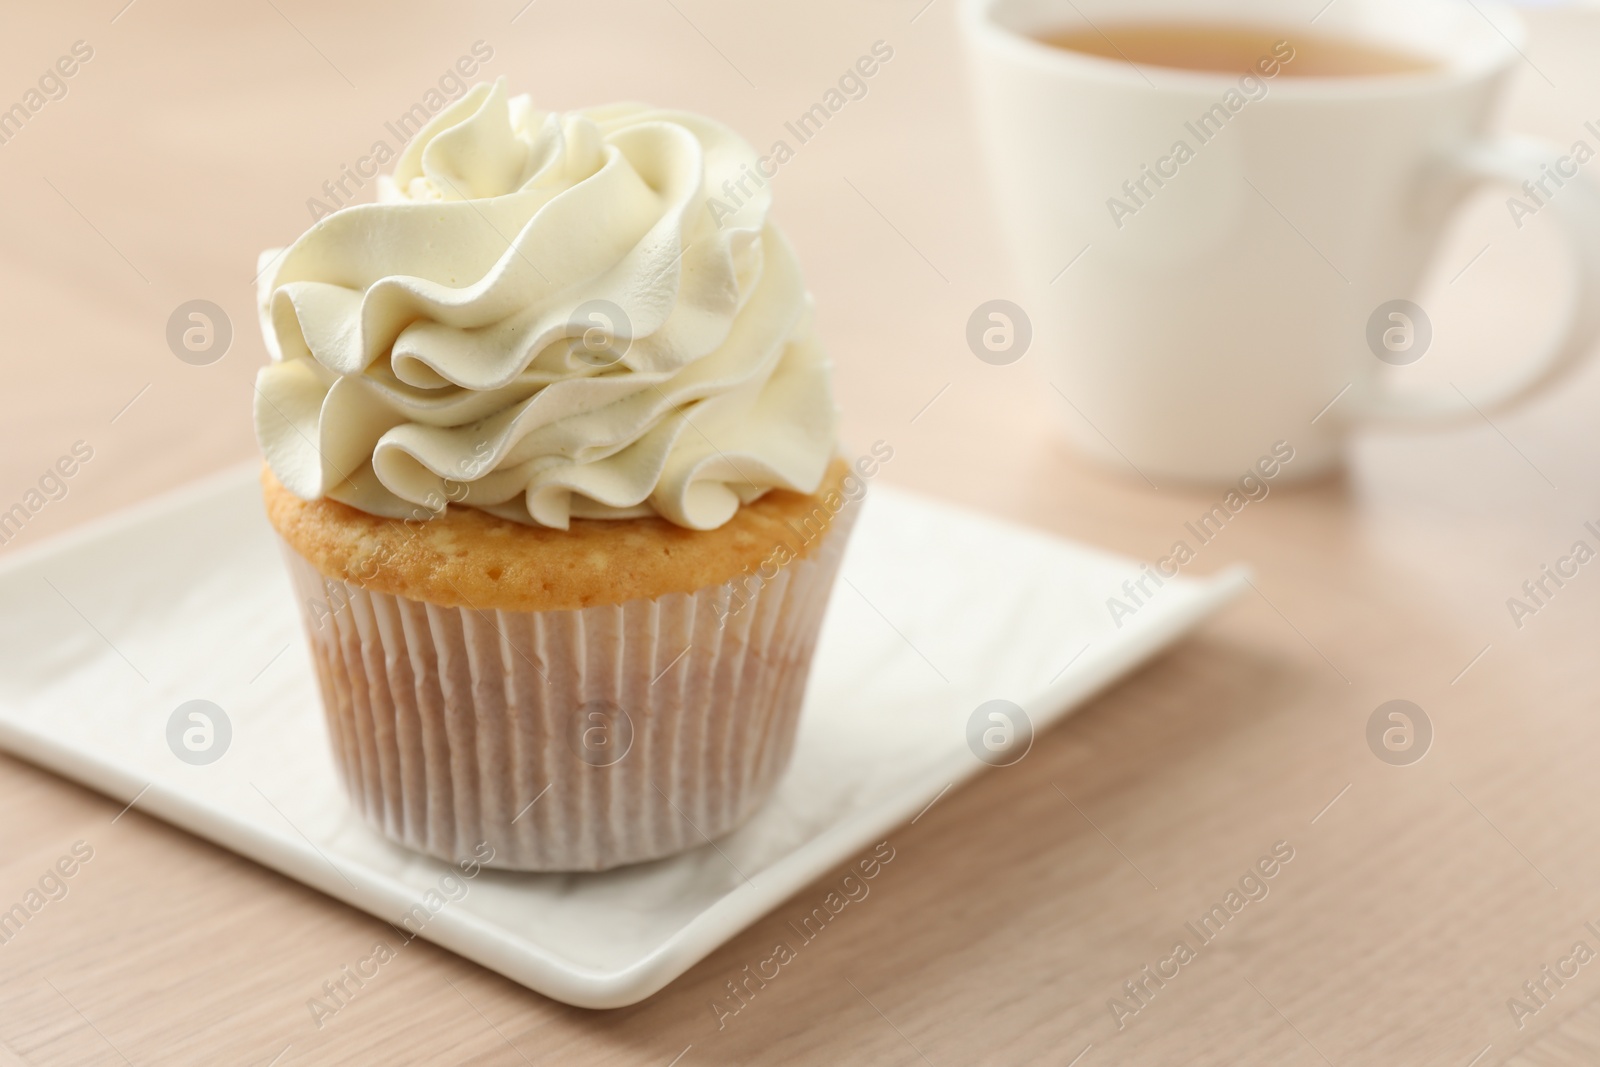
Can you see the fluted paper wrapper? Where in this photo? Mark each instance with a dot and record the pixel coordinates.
(567, 740)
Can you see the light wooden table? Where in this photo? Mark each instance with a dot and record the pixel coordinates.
(1419, 898)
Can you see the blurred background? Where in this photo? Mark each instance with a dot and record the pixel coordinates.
(196, 135)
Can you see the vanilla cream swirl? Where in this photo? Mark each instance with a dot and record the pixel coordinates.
(548, 316)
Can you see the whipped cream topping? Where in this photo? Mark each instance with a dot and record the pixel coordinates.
(548, 316)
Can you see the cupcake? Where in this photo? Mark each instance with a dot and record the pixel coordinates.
(551, 447)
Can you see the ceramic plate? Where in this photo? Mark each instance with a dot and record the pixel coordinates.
(106, 632)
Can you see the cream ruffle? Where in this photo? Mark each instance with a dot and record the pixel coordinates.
(443, 345)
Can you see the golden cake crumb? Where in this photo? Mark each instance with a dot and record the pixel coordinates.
(469, 558)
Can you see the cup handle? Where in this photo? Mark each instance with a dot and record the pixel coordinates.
(1576, 209)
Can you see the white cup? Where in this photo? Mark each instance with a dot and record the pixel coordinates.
(1251, 292)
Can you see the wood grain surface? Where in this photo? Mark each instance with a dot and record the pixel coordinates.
(1419, 898)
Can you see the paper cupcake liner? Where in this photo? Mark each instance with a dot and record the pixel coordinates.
(567, 740)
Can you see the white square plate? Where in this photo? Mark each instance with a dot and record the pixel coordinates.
(103, 633)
